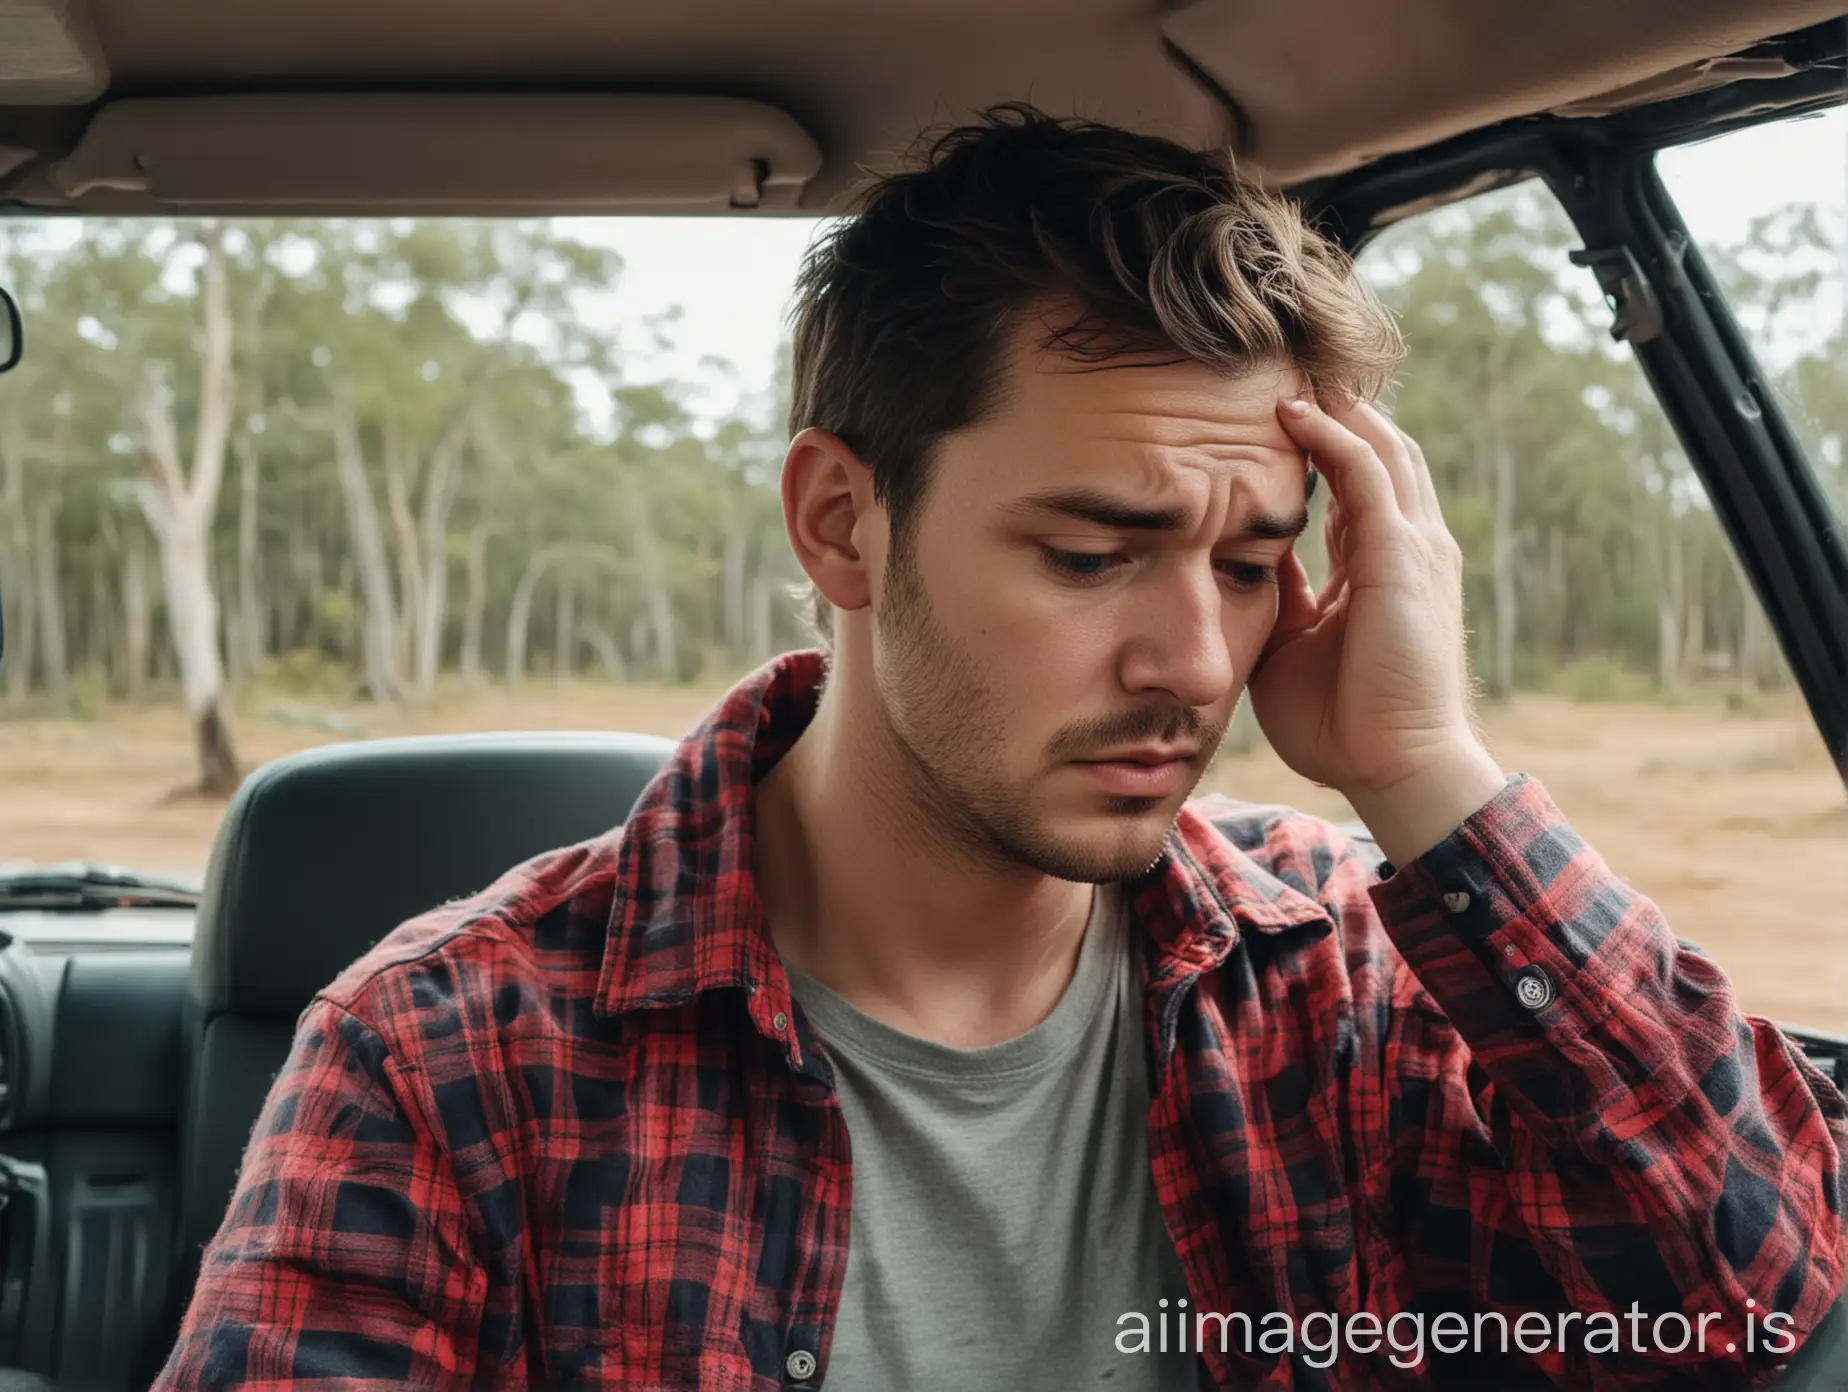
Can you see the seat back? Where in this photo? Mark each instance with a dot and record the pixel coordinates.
(322, 854)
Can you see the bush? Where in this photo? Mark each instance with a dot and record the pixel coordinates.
(307, 672)
(1599, 677)
(87, 695)
(334, 625)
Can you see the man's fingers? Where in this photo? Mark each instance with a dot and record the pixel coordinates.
(1356, 475)
(1296, 602)
(1337, 582)
(1372, 425)
(1427, 486)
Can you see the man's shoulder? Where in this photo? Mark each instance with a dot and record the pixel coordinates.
(1327, 870)
(537, 932)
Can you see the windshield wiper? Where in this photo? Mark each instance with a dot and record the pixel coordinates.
(84, 887)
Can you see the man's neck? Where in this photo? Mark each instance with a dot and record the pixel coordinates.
(866, 897)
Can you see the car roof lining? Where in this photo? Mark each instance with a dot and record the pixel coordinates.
(436, 153)
(858, 79)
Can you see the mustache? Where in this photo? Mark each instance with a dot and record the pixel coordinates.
(1163, 725)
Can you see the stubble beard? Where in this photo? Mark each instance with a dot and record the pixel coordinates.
(949, 734)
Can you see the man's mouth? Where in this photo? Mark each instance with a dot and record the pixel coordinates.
(1147, 772)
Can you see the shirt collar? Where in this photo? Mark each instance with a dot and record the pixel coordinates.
(686, 918)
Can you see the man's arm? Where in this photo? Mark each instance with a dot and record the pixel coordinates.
(1576, 1097)
(1575, 1113)
(346, 1253)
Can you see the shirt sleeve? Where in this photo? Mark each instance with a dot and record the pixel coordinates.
(1581, 1114)
(345, 1257)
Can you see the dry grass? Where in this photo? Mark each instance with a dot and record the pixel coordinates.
(1736, 824)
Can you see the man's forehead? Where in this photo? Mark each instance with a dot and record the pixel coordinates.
(1184, 427)
(1165, 399)
(1162, 431)
(1110, 483)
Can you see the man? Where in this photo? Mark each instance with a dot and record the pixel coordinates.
(917, 1033)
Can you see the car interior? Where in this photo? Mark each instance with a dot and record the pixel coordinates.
(137, 1041)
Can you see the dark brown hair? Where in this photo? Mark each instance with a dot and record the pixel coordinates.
(904, 309)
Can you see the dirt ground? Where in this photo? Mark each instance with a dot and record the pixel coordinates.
(1735, 823)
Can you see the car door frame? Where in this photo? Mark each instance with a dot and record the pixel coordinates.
(1766, 495)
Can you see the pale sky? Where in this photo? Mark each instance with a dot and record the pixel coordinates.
(732, 279)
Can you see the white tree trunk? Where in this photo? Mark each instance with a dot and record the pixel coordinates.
(607, 652)
(1556, 587)
(137, 614)
(180, 506)
(1669, 604)
(520, 612)
(654, 584)
(379, 638)
(192, 609)
(48, 590)
(1694, 627)
(732, 609)
(249, 642)
(564, 630)
(762, 619)
(184, 536)
(440, 487)
(410, 570)
(16, 566)
(475, 605)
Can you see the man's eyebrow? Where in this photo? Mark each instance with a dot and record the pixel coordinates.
(1089, 505)
(1269, 526)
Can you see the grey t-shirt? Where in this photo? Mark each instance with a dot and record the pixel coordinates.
(1004, 1216)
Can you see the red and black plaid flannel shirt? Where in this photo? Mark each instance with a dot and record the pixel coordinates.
(574, 1131)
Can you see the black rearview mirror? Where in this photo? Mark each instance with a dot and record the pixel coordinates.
(12, 333)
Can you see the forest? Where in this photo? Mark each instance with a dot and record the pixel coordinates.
(375, 459)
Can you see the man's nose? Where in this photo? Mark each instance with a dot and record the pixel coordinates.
(1178, 645)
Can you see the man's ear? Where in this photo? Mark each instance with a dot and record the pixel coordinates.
(827, 506)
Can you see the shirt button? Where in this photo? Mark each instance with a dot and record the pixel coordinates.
(1456, 901)
(780, 1022)
(800, 1365)
(1534, 989)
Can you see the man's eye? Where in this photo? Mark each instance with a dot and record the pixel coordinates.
(1248, 575)
(1080, 565)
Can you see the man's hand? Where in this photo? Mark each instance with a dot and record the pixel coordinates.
(1365, 687)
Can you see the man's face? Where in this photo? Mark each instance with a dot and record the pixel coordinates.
(1089, 581)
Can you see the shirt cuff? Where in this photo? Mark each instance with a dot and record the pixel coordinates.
(1520, 932)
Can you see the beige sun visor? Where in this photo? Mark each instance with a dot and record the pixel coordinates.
(49, 54)
(364, 153)
(1325, 85)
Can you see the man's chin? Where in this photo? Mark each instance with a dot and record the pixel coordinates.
(1119, 844)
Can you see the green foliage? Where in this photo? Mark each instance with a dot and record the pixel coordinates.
(333, 627)
(1609, 529)
(305, 672)
(1599, 677)
(88, 697)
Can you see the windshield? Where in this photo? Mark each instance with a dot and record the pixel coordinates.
(445, 445)
(451, 475)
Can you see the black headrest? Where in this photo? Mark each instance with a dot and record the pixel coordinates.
(323, 853)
